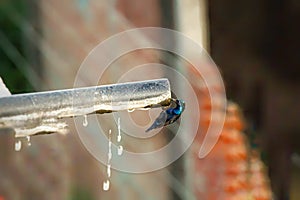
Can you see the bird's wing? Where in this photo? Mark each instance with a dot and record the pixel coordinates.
(159, 121)
(172, 120)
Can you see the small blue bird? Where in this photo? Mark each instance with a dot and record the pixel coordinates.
(169, 115)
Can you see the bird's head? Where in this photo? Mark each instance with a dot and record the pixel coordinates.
(180, 104)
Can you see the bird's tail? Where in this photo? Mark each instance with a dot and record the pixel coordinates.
(149, 129)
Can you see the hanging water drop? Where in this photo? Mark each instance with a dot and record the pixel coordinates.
(120, 150)
(85, 121)
(106, 185)
(131, 110)
(119, 137)
(28, 140)
(18, 145)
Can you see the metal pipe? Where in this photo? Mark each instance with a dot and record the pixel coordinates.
(42, 112)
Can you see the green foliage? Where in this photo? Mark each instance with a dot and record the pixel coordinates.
(81, 194)
(10, 73)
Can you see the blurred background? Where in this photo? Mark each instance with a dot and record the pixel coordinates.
(255, 43)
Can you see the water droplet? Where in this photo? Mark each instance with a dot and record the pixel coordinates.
(119, 137)
(106, 185)
(131, 110)
(85, 121)
(18, 145)
(28, 140)
(120, 150)
(109, 155)
(109, 146)
(108, 170)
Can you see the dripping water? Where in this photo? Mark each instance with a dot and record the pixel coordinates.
(108, 169)
(28, 140)
(106, 185)
(131, 110)
(120, 150)
(85, 121)
(18, 145)
(109, 147)
(119, 138)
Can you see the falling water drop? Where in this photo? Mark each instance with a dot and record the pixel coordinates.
(108, 170)
(109, 146)
(120, 150)
(109, 155)
(85, 121)
(18, 145)
(119, 137)
(106, 185)
(28, 140)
